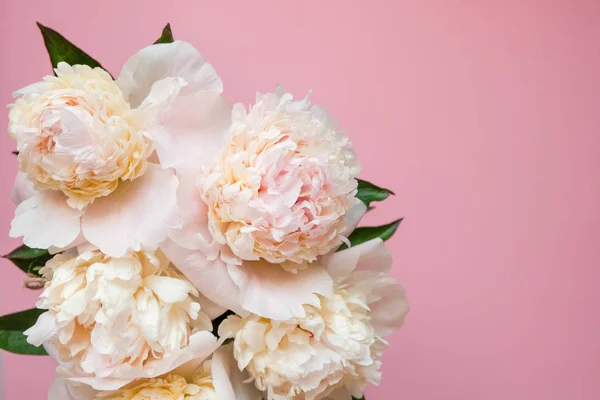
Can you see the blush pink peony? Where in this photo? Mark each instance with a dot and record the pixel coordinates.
(282, 187)
(97, 152)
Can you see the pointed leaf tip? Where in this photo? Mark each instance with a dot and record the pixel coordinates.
(368, 192)
(60, 49)
(366, 233)
(166, 36)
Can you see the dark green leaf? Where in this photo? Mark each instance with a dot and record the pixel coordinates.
(29, 260)
(167, 35)
(367, 192)
(362, 398)
(60, 49)
(16, 153)
(366, 233)
(12, 327)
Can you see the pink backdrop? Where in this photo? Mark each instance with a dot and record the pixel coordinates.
(482, 116)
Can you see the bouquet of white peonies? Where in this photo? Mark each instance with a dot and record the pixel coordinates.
(188, 249)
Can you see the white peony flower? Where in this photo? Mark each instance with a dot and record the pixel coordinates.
(216, 378)
(87, 144)
(78, 134)
(116, 317)
(282, 187)
(337, 344)
(281, 191)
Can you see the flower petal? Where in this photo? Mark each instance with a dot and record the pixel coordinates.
(353, 217)
(371, 255)
(272, 292)
(156, 62)
(187, 129)
(43, 330)
(194, 233)
(230, 383)
(202, 345)
(136, 216)
(210, 277)
(46, 220)
(390, 308)
(23, 188)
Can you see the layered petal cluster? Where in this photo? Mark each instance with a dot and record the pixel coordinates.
(98, 151)
(281, 189)
(110, 316)
(76, 133)
(337, 344)
(279, 194)
(214, 378)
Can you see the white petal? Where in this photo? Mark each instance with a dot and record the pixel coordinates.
(169, 290)
(210, 308)
(353, 217)
(187, 130)
(63, 389)
(44, 329)
(228, 380)
(136, 216)
(35, 88)
(156, 62)
(389, 311)
(371, 255)
(23, 188)
(272, 292)
(210, 277)
(194, 232)
(202, 345)
(46, 220)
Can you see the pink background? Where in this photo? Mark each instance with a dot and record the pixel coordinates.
(483, 117)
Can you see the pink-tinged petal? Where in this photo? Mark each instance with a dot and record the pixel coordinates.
(210, 277)
(63, 389)
(272, 292)
(23, 189)
(230, 383)
(390, 308)
(202, 345)
(194, 233)
(43, 330)
(353, 217)
(136, 216)
(210, 308)
(371, 255)
(187, 129)
(46, 220)
(156, 62)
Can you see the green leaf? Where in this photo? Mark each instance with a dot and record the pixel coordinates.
(367, 192)
(366, 233)
(12, 327)
(28, 259)
(362, 398)
(60, 49)
(167, 35)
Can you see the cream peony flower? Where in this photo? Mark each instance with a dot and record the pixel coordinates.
(110, 316)
(337, 344)
(78, 134)
(281, 191)
(217, 378)
(87, 144)
(282, 187)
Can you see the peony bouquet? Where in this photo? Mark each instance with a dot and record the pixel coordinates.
(188, 249)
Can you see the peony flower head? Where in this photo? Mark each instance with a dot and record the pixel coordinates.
(99, 153)
(282, 187)
(213, 378)
(337, 345)
(76, 133)
(107, 316)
